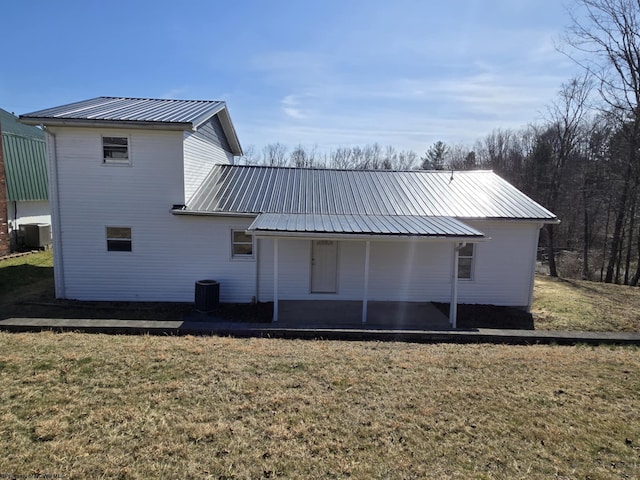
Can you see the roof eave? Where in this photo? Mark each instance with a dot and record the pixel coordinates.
(75, 122)
(368, 236)
(200, 213)
(227, 126)
(548, 221)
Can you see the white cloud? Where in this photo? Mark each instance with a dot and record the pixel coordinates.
(294, 113)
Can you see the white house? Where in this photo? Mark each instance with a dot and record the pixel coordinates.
(146, 201)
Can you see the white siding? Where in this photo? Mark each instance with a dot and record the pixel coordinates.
(202, 150)
(503, 268)
(165, 267)
(169, 252)
(411, 270)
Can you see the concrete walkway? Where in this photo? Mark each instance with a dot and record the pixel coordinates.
(205, 325)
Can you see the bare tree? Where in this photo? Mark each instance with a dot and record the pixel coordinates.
(461, 157)
(274, 155)
(390, 158)
(566, 118)
(249, 156)
(505, 152)
(341, 157)
(371, 157)
(606, 42)
(302, 157)
(405, 160)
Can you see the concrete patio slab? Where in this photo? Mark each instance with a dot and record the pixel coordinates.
(348, 314)
(213, 326)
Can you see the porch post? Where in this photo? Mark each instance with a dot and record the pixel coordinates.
(367, 248)
(275, 279)
(453, 306)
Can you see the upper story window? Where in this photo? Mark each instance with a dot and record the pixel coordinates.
(119, 239)
(465, 262)
(116, 150)
(241, 244)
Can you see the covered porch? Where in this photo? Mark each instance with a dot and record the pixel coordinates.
(314, 282)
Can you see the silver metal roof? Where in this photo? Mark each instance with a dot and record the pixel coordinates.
(138, 112)
(132, 110)
(362, 225)
(462, 195)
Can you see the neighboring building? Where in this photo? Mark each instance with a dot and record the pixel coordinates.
(25, 177)
(146, 201)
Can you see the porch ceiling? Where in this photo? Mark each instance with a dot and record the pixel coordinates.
(294, 224)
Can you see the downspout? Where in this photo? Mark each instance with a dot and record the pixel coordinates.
(533, 270)
(15, 226)
(54, 199)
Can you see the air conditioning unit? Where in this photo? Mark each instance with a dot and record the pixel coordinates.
(36, 235)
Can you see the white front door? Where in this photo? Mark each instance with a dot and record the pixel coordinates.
(324, 263)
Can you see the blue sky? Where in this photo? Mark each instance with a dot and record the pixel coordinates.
(325, 73)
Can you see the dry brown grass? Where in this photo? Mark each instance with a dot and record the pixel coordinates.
(561, 304)
(98, 406)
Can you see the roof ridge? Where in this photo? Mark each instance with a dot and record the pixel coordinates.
(161, 99)
(375, 170)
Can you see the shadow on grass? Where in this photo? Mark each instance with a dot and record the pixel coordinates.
(490, 316)
(18, 277)
(594, 287)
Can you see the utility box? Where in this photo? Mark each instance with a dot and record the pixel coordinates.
(207, 295)
(36, 235)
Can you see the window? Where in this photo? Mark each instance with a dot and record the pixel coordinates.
(118, 239)
(241, 244)
(465, 262)
(115, 150)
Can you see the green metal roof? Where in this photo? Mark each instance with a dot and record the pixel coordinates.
(24, 160)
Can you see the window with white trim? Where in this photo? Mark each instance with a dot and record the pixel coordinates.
(115, 150)
(119, 239)
(241, 244)
(465, 262)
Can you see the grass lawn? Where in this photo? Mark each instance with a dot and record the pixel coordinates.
(560, 304)
(100, 406)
